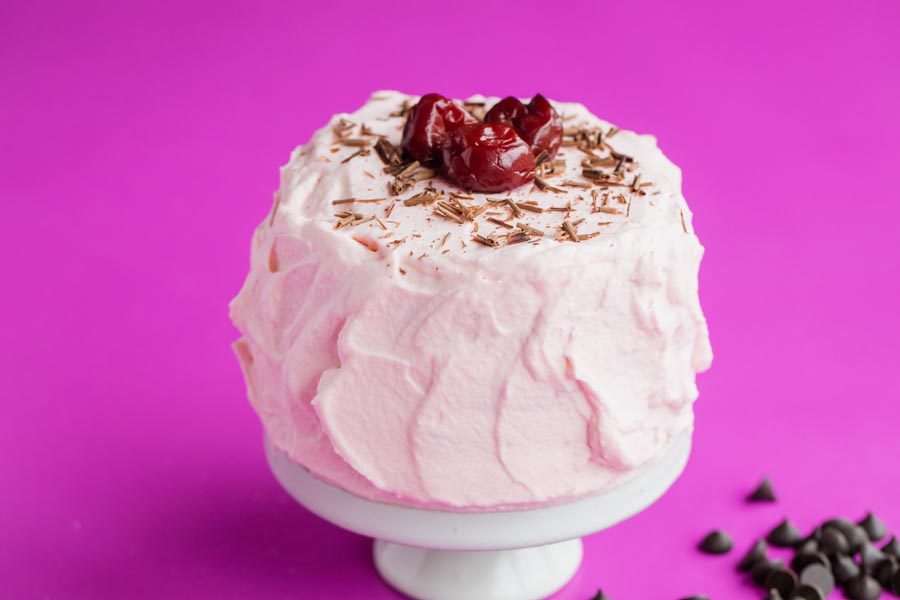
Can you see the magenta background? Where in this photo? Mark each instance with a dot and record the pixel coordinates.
(139, 147)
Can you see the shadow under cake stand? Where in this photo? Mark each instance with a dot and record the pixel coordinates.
(511, 555)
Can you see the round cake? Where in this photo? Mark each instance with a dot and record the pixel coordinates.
(411, 340)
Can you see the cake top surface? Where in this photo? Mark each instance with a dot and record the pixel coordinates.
(351, 180)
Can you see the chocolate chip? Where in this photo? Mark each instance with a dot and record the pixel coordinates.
(815, 535)
(763, 492)
(760, 570)
(892, 547)
(858, 538)
(834, 542)
(873, 527)
(811, 544)
(782, 580)
(863, 588)
(855, 534)
(884, 571)
(869, 556)
(807, 591)
(895, 588)
(784, 535)
(843, 525)
(819, 576)
(773, 595)
(802, 560)
(696, 598)
(717, 542)
(755, 554)
(844, 569)
(600, 596)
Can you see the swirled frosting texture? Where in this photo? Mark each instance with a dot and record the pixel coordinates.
(402, 361)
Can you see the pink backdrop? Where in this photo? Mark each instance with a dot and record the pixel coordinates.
(139, 147)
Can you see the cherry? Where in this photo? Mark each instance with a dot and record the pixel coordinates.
(487, 157)
(427, 126)
(538, 123)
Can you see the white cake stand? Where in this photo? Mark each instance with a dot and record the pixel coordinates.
(510, 555)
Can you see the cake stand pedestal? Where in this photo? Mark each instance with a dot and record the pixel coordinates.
(508, 555)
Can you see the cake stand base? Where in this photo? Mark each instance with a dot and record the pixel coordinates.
(504, 555)
(521, 574)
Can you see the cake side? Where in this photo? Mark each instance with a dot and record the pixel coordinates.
(473, 351)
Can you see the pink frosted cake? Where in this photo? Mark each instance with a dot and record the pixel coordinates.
(410, 340)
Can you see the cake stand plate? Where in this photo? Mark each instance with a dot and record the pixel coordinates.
(508, 555)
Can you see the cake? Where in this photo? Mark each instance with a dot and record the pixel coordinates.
(413, 341)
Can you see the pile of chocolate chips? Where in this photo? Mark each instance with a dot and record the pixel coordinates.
(837, 553)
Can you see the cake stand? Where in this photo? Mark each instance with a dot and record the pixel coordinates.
(508, 555)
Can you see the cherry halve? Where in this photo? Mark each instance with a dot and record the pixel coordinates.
(428, 125)
(538, 123)
(487, 157)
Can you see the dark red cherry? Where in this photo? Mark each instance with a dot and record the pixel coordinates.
(507, 111)
(427, 126)
(538, 123)
(487, 157)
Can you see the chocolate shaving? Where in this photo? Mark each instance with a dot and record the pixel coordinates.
(419, 199)
(404, 109)
(487, 241)
(517, 237)
(577, 184)
(500, 223)
(443, 211)
(529, 229)
(473, 212)
(387, 152)
(406, 169)
(530, 207)
(352, 200)
(636, 184)
(543, 185)
(571, 231)
(423, 174)
(360, 152)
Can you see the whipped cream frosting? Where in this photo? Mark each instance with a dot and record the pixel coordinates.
(406, 353)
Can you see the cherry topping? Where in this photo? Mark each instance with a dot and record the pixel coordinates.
(427, 127)
(538, 123)
(487, 157)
